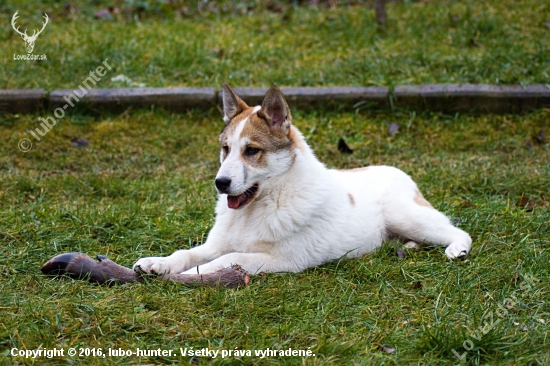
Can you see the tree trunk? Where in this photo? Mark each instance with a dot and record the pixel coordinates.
(380, 9)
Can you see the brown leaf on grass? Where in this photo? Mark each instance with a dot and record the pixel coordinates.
(69, 9)
(386, 348)
(454, 19)
(107, 14)
(522, 201)
(517, 277)
(393, 128)
(274, 6)
(540, 137)
(343, 147)
(475, 43)
(466, 204)
(544, 201)
(526, 203)
(103, 14)
(80, 142)
(401, 254)
(261, 277)
(220, 52)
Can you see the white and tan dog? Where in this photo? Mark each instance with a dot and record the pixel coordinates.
(280, 209)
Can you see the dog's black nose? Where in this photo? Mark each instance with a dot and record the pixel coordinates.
(223, 184)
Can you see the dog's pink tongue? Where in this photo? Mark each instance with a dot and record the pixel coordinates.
(235, 201)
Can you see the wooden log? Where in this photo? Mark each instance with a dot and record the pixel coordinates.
(105, 271)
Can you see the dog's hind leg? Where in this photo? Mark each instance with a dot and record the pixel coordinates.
(418, 221)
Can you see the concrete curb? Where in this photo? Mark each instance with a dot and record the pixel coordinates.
(472, 97)
(435, 97)
(118, 100)
(310, 97)
(22, 101)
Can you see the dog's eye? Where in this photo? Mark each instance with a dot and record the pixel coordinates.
(226, 149)
(250, 151)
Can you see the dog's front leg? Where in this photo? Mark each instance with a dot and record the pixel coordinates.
(250, 262)
(180, 260)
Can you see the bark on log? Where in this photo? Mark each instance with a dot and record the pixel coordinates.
(105, 271)
(380, 10)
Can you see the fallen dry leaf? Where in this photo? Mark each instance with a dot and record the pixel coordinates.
(544, 201)
(401, 254)
(393, 129)
(526, 203)
(343, 147)
(80, 142)
(386, 348)
(456, 222)
(540, 137)
(453, 18)
(107, 14)
(475, 43)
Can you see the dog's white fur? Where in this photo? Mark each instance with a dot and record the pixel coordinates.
(303, 214)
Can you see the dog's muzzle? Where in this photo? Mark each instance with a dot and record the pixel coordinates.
(223, 184)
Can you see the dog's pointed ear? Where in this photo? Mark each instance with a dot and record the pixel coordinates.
(232, 104)
(275, 109)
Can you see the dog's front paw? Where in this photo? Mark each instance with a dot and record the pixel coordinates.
(156, 265)
(456, 251)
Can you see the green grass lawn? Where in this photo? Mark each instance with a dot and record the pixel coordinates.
(496, 41)
(144, 186)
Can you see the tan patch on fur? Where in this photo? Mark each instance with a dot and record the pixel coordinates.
(231, 126)
(258, 133)
(267, 139)
(420, 200)
(296, 139)
(351, 199)
(412, 245)
(354, 170)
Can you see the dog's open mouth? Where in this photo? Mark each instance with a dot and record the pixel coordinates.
(243, 198)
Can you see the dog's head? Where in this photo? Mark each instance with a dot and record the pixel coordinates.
(258, 145)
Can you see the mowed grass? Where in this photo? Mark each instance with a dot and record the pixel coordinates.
(494, 41)
(144, 186)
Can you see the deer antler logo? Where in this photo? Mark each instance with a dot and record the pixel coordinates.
(29, 40)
